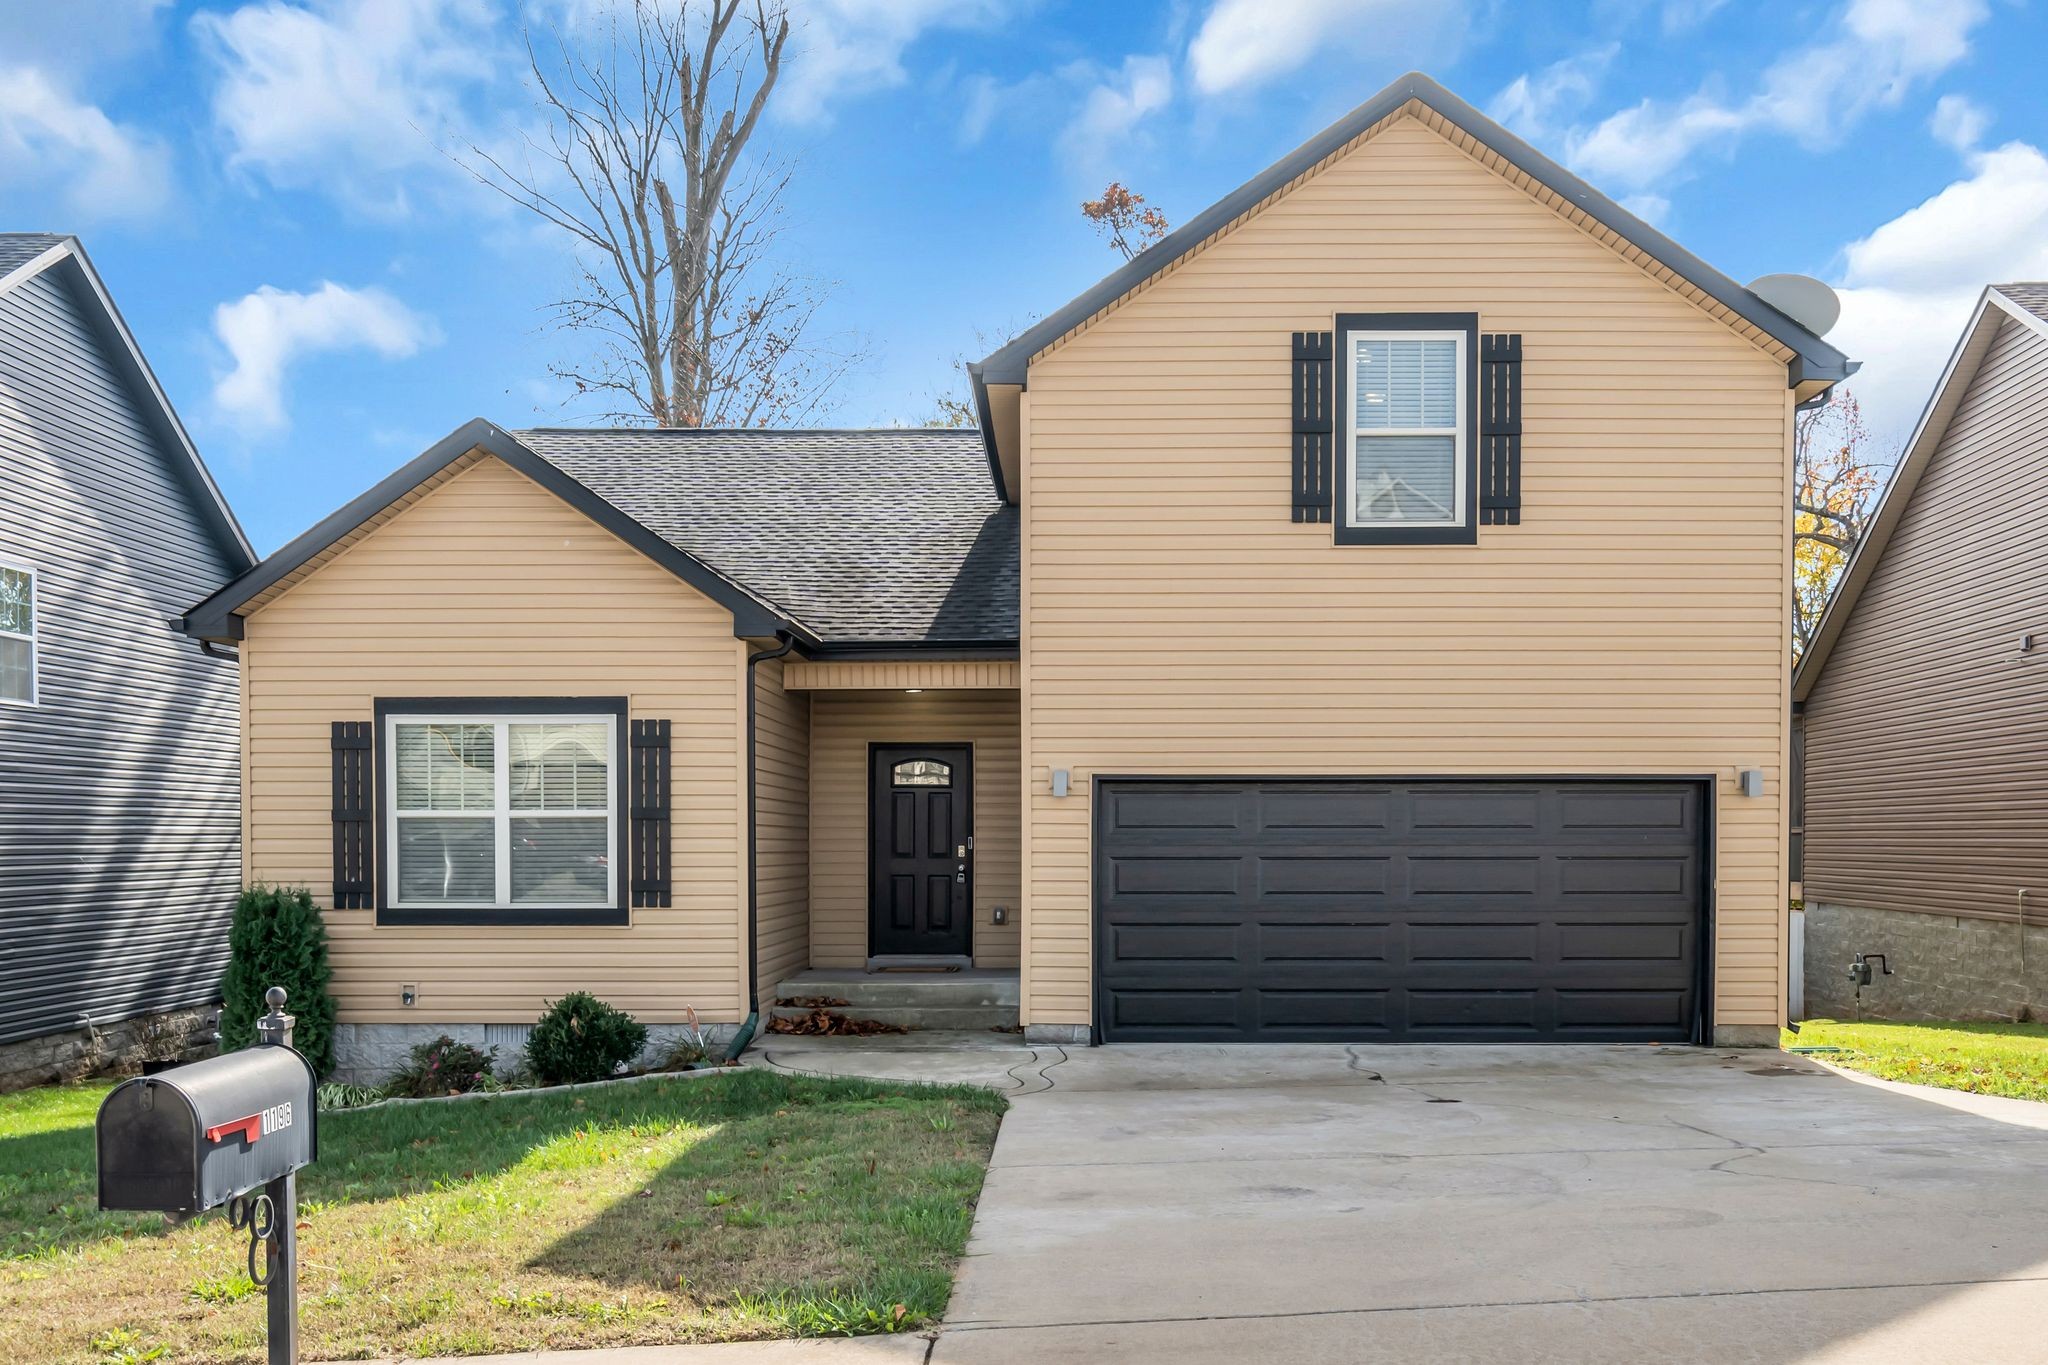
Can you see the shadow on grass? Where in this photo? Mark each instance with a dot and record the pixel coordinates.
(48, 1195)
(836, 1208)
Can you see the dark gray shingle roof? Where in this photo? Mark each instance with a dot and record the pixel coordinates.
(2031, 295)
(864, 536)
(19, 248)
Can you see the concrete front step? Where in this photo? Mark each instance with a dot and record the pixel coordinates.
(972, 987)
(968, 999)
(920, 1017)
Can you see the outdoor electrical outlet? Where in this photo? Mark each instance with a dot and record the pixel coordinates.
(408, 995)
(999, 915)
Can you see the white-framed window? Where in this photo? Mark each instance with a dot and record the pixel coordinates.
(1406, 433)
(512, 812)
(18, 651)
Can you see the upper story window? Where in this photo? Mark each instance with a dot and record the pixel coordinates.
(1407, 427)
(17, 635)
(511, 812)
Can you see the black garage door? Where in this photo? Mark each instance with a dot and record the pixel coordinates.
(1398, 912)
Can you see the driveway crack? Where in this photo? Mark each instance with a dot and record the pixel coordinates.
(1725, 1167)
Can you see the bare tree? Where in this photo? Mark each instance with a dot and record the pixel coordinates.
(644, 162)
(951, 411)
(1120, 215)
(1837, 480)
(956, 409)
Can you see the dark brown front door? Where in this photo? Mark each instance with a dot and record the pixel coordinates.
(921, 828)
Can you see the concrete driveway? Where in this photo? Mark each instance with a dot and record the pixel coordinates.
(1587, 1204)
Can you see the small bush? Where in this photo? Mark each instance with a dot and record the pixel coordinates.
(581, 1038)
(277, 939)
(442, 1067)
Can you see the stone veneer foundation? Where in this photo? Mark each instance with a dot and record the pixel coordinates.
(1943, 967)
(121, 1046)
(365, 1054)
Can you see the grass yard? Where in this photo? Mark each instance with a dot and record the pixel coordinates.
(1989, 1059)
(744, 1206)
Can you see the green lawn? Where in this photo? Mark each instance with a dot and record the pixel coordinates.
(744, 1206)
(1990, 1059)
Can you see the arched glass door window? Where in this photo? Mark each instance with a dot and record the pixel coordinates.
(921, 772)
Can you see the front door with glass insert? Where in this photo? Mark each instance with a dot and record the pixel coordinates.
(921, 836)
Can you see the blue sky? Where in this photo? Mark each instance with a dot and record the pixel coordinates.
(324, 294)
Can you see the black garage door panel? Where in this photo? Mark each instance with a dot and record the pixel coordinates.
(1411, 912)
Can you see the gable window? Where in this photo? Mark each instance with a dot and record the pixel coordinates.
(1406, 413)
(502, 812)
(17, 635)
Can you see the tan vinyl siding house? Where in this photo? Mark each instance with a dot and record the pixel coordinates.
(1164, 705)
(1633, 623)
(491, 586)
(782, 808)
(1926, 765)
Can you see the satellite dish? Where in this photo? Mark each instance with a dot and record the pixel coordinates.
(1801, 298)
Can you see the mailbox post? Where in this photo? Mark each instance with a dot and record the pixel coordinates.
(233, 1130)
(281, 1249)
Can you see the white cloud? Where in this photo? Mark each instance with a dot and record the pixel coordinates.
(1878, 50)
(100, 169)
(1533, 104)
(848, 47)
(57, 38)
(350, 95)
(1243, 44)
(982, 101)
(267, 331)
(1112, 111)
(1907, 287)
(1959, 121)
(1680, 15)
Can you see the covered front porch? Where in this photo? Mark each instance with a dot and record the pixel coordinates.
(887, 848)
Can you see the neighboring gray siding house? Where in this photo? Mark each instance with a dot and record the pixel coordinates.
(119, 740)
(1924, 702)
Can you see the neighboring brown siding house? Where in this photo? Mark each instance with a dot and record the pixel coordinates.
(1285, 658)
(1923, 699)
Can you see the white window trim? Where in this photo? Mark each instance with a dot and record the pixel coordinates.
(35, 645)
(1352, 434)
(501, 812)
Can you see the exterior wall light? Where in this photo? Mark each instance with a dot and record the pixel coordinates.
(1059, 781)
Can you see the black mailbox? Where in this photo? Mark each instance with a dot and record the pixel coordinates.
(194, 1137)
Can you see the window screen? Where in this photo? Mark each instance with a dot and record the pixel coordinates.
(1407, 401)
(513, 811)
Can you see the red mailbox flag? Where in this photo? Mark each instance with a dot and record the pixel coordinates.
(250, 1128)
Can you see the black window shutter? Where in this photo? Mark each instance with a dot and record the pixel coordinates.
(649, 779)
(1313, 432)
(350, 741)
(1500, 426)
